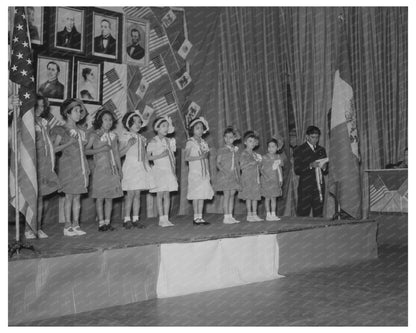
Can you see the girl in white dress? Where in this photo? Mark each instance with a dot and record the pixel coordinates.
(136, 168)
(196, 154)
(161, 150)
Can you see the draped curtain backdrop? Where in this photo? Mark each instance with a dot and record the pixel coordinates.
(261, 50)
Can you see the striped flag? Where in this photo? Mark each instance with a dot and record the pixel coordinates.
(155, 70)
(22, 73)
(343, 145)
(377, 191)
(165, 105)
(53, 121)
(157, 38)
(112, 83)
(137, 11)
(110, 106)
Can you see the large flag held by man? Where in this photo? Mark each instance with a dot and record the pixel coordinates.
(343, 149)
(21, 73)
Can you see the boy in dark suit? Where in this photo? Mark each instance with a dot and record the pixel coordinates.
(305, 157)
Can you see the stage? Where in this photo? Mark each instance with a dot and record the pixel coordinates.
(101, 269)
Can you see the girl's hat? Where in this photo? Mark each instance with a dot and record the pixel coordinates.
(160, 120)
(70, 103)
(249, 134)
(200, 120)
(142, 120)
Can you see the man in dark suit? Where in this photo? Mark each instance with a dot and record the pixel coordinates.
(52, 88)
(105, 43)
(134, 50)
(305, 157)
(69, 36)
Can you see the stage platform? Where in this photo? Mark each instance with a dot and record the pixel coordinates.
(102, 269)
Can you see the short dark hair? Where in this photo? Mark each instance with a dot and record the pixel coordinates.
(128, 124)
(46, 111)
(313, 130)
(105, 20)
(85, 72)
(135, 30)
(54, 63)
(98, 120)
(191, 129)
(229, 129)
(274, 141)
(250, 134)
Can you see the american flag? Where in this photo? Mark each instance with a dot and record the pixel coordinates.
(137, 11)
(377, 191)
(112, 83)
(155, 70)
(109, 105)
(165, 105)
(22, 73)
(53, 121)
(157, 38)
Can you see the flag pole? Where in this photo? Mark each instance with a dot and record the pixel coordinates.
(16, 162)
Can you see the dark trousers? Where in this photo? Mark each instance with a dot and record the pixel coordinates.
(308, 198)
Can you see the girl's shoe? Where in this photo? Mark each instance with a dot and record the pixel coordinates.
(30, 234)
(202, 221)
(235, 221)
(41, 234)
(78, 231)
(270, 218)
(197, 221)
(228, 220)
(127, 225)
(102, 227)
(69, 232)
(275, 217)
(110, 227)
(165, 223)
(257, 219)
(250, 218)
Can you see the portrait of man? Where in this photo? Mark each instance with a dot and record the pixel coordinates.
(136, 45)
(52, 87)
(105, 43)
(134, 50)
(33, 29)
(68, 35)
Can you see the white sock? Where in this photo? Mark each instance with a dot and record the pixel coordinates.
(196, 216)
(269, 214)
(126, 218)
(101, 223)
(162, 218)
(135, 218)
(107, 222)
(273, 214)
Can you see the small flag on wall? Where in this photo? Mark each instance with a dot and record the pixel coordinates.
(155, 70)
(147, 113)
(185, 49)
(183, 81)
(141, 90)
(112, 83)
(165, 105)
(191, 112)
(157, 38)
(169, 18)
(137, 11)
(110, 106)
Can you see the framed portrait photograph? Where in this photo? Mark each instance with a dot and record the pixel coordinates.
(136, 47)
(69, 29)
(87, 81)
(35, 17)
(53, 78)
(107, 34)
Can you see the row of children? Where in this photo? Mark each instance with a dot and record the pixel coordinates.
(249, 173)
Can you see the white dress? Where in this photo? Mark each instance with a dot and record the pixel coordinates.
(136, 168)
(199, 185)
(163, 170)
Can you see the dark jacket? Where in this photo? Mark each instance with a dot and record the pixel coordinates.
(69, 39)
(111, 45)
(138, 52)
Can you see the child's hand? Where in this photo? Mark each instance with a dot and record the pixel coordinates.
(106, 147)
(132, 141)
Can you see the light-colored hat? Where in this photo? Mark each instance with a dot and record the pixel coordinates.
(137, 113)
(160, 120)
(199, 120)
(70, 103)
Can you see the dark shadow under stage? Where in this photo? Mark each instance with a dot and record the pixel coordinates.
(76, 274)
